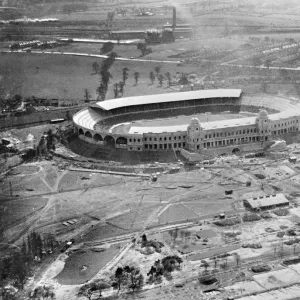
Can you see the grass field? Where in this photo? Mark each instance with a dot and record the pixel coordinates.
(66, 77)
(84, 265)
(174, 121)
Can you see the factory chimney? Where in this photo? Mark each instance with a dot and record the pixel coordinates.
(174, 18)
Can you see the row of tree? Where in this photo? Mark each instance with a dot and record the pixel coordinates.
(16, 267)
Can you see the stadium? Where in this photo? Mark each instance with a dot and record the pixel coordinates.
(230, 122)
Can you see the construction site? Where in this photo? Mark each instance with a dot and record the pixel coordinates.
(231, 223)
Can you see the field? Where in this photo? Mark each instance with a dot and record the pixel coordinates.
(84, 265)
(172, 121)
(19, 75)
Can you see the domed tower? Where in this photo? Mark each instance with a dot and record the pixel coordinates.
(263, 125)
(194, 134)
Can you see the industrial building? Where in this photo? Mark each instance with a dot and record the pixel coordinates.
(266, 202)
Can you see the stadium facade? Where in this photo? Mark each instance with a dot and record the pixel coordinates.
(95, 124)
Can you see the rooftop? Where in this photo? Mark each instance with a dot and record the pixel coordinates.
(169, 97)
(268, 200)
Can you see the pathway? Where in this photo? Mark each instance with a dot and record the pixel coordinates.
(93, 55)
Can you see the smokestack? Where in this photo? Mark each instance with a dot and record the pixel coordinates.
(174, 18)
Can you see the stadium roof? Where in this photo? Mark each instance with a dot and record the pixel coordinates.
(269, 200)
(169, 97)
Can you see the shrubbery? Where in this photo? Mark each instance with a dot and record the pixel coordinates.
(252, 246)
(208, 279)
(250, 217)
(261, 268)
(228, 222)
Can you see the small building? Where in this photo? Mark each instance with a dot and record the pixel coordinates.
(266, 202)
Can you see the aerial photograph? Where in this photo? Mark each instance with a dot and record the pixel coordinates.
(149, 149)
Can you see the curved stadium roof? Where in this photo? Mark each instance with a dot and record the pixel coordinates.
(168, 97)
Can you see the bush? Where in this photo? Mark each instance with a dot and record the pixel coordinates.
(251, 217)
(283, 227)
(291, 232)
(252, 246)
(280, 234)
(223, 255)
(228, 222)
(261, 268)
(260, 176)
(292, 242)
(153, 244)
(232, 234)
(208, 280)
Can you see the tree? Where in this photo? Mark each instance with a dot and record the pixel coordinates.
(100, 286)
(264, 87)
(136, 77)
(237, 259)
(168, 77)
(125, 74)
(157, 70)
(119, 275)
(143, 48)
(215, 262)
(110, 16)
(281, 252)
(274, 247)
(268, 63)
(50, 140)
(294, 248)
(116, 90)
(205, 265)
(104, 75)
(85, 291)
(96, 68)
(152, 76)
(107, 47)
(183, 80)
(160, 79)
(256, 61)
(121, 87)
(87, 95)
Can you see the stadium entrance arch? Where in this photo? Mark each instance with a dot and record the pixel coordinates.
(121, 141)
(88, 135)
(98, 137)
(109, 141)
(80, 132)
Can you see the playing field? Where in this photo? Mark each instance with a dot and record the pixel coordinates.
(174, 121)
